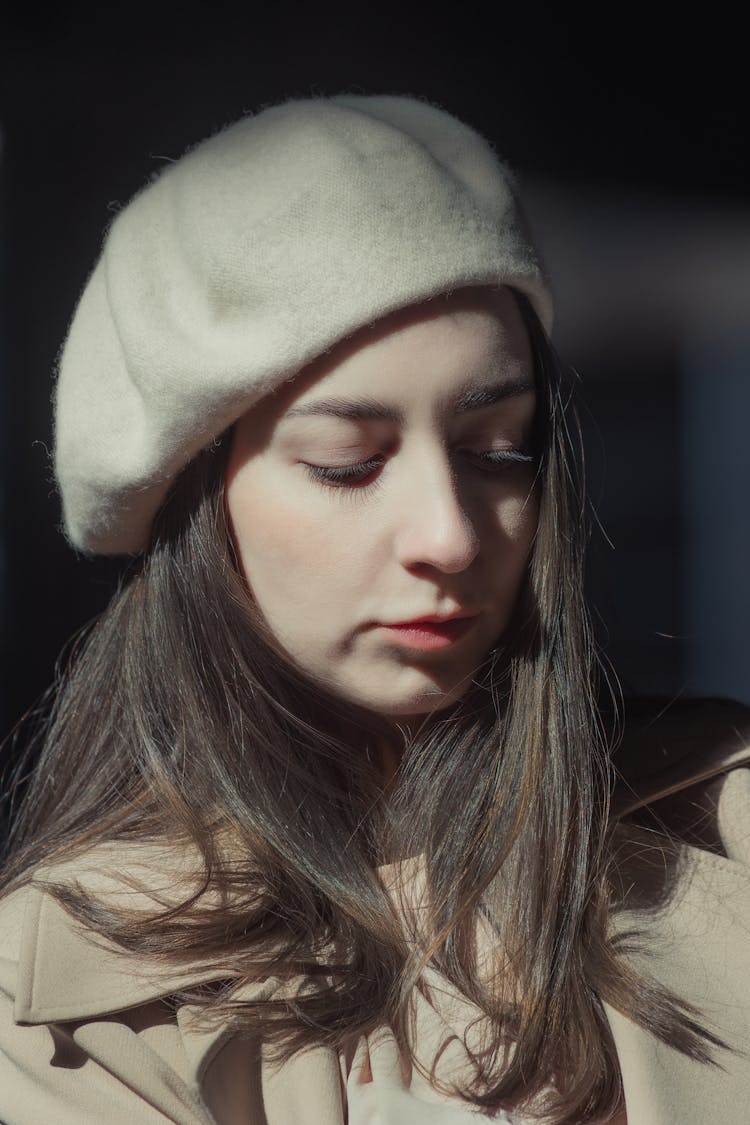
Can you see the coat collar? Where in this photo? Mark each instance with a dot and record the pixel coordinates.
(67, 973)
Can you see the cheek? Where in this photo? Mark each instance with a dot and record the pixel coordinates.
(517, 518)
(288, 545)
(276, 546)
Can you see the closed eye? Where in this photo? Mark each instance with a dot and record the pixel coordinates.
(341, 476)
(502, 458)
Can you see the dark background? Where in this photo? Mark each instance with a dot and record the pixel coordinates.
(630, 138)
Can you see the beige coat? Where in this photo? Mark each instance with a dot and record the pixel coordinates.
(86, 1037)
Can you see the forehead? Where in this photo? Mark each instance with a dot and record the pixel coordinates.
(425, 355)
(428, 349)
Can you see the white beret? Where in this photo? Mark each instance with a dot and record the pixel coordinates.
(242, 261)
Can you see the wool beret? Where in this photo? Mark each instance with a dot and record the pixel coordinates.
(244, 260)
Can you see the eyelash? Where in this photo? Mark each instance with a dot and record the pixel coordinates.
(494, 461)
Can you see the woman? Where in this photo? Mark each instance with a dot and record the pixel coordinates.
(320, 829)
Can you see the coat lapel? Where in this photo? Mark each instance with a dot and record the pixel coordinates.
(68, 973)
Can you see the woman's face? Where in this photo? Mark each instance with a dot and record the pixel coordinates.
(392, 480)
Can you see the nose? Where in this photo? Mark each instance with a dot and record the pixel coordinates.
(434, 527)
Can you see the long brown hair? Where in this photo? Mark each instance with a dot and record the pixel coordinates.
(180, 721)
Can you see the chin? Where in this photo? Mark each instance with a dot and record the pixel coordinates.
(411, 691)
(424, 703)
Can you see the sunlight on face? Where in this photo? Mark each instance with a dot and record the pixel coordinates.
(391, 480)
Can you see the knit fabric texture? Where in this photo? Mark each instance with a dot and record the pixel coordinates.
(247, 258)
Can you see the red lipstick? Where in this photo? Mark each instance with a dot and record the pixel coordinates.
(431, 631)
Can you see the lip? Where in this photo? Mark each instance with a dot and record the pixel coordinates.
(432, 619)
(426, 634)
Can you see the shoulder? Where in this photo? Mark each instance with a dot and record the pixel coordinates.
(682, 834)
(671, 745)
(681, 804)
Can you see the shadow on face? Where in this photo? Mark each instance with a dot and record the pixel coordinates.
(391, 480)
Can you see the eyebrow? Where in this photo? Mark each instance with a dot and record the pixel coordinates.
(470, 397)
